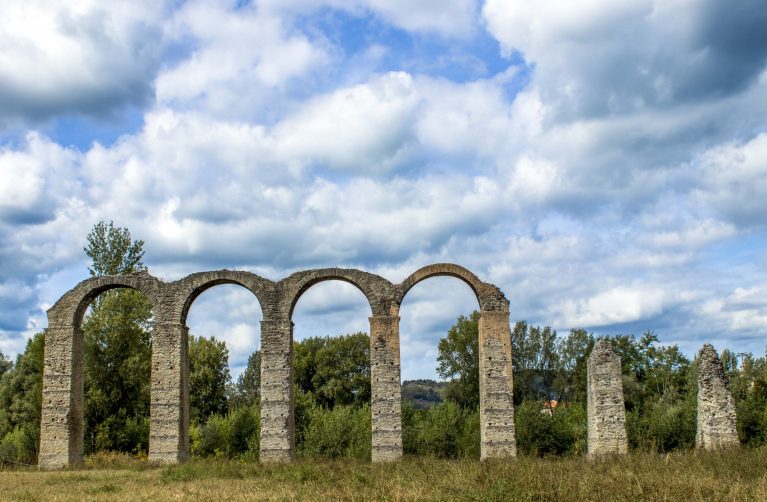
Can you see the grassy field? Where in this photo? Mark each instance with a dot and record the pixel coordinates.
(689, 476)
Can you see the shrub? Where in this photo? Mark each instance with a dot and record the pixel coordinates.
(234, 435)
(341, 432)
(19, 446)
(444, 431)
(562, 432)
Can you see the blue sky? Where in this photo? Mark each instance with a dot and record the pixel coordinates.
(604, 163)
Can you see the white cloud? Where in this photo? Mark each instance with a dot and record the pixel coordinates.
(84, 56)
(241, 58)
(364, 128)
(734, 180)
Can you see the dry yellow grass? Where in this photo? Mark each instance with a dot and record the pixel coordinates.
(689, 476)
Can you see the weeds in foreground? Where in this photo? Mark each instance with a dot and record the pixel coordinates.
(729, 475)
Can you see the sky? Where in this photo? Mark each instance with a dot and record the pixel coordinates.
(604, 163)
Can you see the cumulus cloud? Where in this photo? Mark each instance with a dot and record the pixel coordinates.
(597, 58)
(84, 57)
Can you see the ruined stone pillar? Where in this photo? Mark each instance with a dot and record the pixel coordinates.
(385, 388)
(278, 443)
(496, 386)
(169, 400)
(716, 407)
(606, 410)
(61, 427)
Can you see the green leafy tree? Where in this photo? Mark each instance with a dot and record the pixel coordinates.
(458, 361)
(20, 402)
(535, 361)
(117, 348)
(247, 390)
(574, 349)
(208, 378)
(334, 370)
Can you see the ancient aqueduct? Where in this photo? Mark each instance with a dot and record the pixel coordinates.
(61, 431)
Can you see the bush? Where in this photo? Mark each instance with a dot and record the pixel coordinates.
(234, 435)
(20, 446)
(444, 431)
(662, 427)
(562, 432)
(341, 432)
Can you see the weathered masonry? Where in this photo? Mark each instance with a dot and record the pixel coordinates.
(716, 407)
(61, 431)
(606, 411)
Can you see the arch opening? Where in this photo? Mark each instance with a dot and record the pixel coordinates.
(115, 322)
(427, 313)
(331, 368)
(224, 337)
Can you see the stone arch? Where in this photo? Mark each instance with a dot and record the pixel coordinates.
(489, 297)
(70, 308)
(377, 290)
(192, 286)
(496, 407)
(62, 414)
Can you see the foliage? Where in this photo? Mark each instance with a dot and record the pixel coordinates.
(422, 394)
(334, 370)
(535, 361)
(247, 390)
(542, 431)
(20, 403)
(446, 430)
(231, 435)
(458, 361)
(208, 378)
(343, 431)
(117, 348)
(112, 251)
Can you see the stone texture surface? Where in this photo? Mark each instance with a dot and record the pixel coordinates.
(606, 410)
(716, 406)
(496, 384)
(385, 391)
(62, 414)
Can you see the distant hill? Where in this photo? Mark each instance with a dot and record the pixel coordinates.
(422, 394)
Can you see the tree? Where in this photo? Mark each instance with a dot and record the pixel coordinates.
(570, 384)
(334, 370)
(20, 402)
(247, 390)
(458, 361)
(112, 251)
(117, 348)
(535, 361)
(208, 378)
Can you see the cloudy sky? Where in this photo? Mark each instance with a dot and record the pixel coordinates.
(604, 163)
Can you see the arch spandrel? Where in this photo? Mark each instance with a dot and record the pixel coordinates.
(70, 308)
(489, 296)
(378, 291)
(187, 290)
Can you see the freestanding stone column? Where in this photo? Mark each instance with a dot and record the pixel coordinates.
(169, 401)
(716, 407)
(61, 428)
(606, 410)
(496, 386)
(385, 389)
(278, 442)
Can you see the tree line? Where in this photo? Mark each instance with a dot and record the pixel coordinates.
(332, 386)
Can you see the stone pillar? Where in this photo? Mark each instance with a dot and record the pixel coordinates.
(716, 407)
(169, 401)
(606, 410)
(61, 424)
(385, 388)
(496, 386)
(278, 442)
